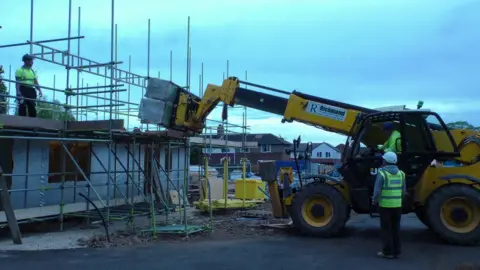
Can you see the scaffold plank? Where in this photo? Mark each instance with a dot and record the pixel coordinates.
(16, 121)
(53, 210)
(95, 124)
(25, 122)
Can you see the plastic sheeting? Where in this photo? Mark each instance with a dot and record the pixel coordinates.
(157, 105)
(154, 111)
(161, 90)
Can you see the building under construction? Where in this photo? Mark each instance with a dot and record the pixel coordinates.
(60, 167)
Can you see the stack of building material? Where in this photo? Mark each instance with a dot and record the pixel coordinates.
(197, 173)
(156, 106)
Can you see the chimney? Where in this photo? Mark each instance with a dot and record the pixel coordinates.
(220, 129)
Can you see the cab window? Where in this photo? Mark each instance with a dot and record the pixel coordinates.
(440, 135)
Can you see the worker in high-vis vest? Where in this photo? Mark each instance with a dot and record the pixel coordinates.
(393, 142)
(27, 81)
(388, 194)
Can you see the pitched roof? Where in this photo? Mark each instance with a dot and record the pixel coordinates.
(331, 146)
(340, 147)
(261, 138)
(303, 146)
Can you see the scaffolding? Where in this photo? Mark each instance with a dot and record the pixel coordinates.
(123, 172)
(225, 131)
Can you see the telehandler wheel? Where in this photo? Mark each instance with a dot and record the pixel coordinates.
(454, 214)
(422, 216)
(319, 210)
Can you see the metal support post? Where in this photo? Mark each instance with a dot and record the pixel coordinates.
(75, 163)
(111, 178)
(152, 198)
(225, 180)
(117, 159)
(207, 182)
(28, 42)
(244, 180)
(185, 185)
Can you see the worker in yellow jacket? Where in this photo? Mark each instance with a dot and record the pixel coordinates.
(393, 144)
(27, 81)
(389, 191)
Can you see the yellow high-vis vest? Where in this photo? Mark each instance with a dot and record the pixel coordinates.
(26, 76)
(391, 193)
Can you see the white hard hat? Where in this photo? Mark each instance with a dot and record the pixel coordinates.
(390, 157)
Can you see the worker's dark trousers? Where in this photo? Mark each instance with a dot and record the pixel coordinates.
(390, 225)
(27, 92)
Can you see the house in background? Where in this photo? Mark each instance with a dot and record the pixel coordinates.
(270, 147)
(323, 153)
(341, 147)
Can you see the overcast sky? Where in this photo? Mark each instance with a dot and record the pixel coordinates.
(368, 53)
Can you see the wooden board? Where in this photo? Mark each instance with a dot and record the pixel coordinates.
(16, 121)
(52, 210)
(94, 125)
(175, 198)
(216, 188)
(8, 211)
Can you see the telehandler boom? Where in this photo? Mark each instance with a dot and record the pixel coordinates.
(446, 198)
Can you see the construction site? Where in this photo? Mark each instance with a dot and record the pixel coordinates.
(89, 161)
(120, 158)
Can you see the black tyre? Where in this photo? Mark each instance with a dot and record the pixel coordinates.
(319, 210)
(422, 216)
(454, 214)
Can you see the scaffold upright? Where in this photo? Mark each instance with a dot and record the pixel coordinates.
(63, 166)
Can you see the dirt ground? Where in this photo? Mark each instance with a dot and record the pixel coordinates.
(233, 224)
(240, 224)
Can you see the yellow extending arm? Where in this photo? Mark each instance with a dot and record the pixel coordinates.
(213, 95)
(191, 112)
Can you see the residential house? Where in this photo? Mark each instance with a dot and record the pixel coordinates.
(341, 147)
(323, 153)
(270, 147)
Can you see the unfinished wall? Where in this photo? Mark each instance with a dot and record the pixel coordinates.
(178, 164)
(35, 190)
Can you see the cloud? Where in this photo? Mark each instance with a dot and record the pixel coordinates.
(367, 53)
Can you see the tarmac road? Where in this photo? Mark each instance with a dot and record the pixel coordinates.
(355, 250)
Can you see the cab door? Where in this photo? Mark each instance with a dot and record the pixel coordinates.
(425, 138)
(359, 165)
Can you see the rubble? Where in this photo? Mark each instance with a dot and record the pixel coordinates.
(120, 238)
(225, 227)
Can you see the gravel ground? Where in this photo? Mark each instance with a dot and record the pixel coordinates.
(227, 226)
(46, 235)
